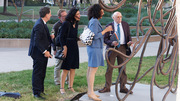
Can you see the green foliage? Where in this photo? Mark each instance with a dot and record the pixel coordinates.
(16, 30)
(105, 20)
(133, 32)
(128, 11)
(84, 20)
(107, 14)
(52, 20)
(131, 21)
(23, 29)
(80, 30)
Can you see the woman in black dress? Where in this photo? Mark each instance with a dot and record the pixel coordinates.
(68, 40)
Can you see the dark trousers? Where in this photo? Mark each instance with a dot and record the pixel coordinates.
(112, 57)
(38, 75)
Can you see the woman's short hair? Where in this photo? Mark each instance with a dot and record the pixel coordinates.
(94, 11)
(43, 11)
(71, 14)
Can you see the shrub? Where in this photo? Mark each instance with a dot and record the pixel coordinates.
(26, 24)
(105, 20)
(4, 32)
(84, 20)
(53, 20)
(128, 11)
(107, 14)
(16, 30)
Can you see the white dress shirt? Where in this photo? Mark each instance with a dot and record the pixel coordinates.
(44, 23)
(122, 38)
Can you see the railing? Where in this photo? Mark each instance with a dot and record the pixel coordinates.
(32, 13)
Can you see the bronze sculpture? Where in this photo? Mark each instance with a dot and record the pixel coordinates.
(169, 40)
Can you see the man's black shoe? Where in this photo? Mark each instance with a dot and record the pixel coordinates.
(104, 90)
(125, 90)
(39, 97)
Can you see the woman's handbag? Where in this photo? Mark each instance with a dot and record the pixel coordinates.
(59, 55)
(87, 36)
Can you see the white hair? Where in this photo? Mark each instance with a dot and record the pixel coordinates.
(115, 14)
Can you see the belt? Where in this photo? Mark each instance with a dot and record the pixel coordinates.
(120, 46)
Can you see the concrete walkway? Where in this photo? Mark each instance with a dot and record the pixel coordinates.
(141, 92)
(17, 59)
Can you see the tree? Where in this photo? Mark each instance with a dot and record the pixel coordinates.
(60, 3)
(19, 15)
(5, 8)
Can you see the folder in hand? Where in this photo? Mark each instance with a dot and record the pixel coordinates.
(114, 37)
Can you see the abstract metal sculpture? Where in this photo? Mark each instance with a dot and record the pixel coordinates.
(169, 40)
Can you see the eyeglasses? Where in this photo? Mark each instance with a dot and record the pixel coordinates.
(119, 17)
(63, 16)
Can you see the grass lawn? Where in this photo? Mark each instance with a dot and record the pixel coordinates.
(11, 9)
(21, 81)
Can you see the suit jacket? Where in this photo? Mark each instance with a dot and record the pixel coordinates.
(127, 35)
(40, 39)
(95, 26)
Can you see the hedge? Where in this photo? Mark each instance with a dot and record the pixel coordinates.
(16, 30)
(23, 29)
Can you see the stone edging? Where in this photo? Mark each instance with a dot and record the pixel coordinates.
(24, 43)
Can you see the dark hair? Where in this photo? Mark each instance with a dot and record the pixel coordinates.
(43, 11)
(71, 14)
(94, 11)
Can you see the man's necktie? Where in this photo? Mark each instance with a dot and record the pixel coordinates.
(119, 35)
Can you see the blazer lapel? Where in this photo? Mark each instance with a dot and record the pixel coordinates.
(45, 26)
(124, 29)
(47, 30)
(113, 26)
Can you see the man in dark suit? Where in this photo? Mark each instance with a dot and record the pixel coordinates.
(39, 50)
(123, 42)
